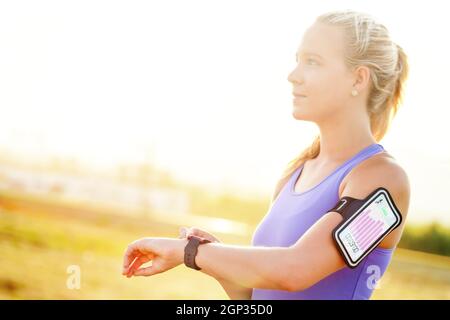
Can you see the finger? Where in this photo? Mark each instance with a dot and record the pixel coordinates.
(149, 271)
(140, 261)
(136, 264)
(127, 269)
(201, 233)
(195, 232)
(129, 256)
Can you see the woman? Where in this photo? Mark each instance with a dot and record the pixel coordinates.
(349, 80)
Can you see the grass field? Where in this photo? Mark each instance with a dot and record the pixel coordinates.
(38, 243)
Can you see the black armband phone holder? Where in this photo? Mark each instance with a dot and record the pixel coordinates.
(366, 223)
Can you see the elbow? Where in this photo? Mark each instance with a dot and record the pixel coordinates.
(298, 283)
(295, 284)
(296, 277)
(300, 279)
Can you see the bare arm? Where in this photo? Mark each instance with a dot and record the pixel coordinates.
(314, 256)
(249, 267)
(279, 268)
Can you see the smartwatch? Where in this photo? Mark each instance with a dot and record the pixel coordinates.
(190, 251)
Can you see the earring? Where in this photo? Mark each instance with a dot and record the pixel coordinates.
(354, 92)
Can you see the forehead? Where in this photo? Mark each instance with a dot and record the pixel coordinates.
(326, 41)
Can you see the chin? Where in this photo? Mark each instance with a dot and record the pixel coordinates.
(299, 114)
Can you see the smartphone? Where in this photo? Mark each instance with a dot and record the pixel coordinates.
(358, 235)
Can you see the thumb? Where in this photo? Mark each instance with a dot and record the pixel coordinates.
(196, 232)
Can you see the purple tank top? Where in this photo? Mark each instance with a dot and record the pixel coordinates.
(293, 213)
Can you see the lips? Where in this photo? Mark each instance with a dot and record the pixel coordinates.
(298, 95)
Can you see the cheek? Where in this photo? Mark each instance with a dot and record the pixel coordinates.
(325, 88)
(328, 90)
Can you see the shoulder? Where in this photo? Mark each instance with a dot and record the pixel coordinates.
(381, 170)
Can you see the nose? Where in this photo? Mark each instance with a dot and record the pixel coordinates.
(290, 77)
(295, 76)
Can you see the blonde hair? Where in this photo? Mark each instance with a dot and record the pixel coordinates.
(368, 44)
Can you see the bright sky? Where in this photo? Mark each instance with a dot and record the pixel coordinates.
(203, 84)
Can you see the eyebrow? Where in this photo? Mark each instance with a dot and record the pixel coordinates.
(308, 54)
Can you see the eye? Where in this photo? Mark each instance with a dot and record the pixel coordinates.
(308, 61)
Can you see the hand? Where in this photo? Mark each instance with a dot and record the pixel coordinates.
(185, 232)
(164, 254)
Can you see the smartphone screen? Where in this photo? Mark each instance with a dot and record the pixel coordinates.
(367, 227)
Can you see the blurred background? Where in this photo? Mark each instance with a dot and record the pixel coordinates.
(125, 119)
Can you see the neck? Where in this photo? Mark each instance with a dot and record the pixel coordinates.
(340, 138)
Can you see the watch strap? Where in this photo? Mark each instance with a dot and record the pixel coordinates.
(191, 249)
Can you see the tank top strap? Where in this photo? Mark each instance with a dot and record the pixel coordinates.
(359, 157)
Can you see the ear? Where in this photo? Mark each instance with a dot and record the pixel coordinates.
(362, 78)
